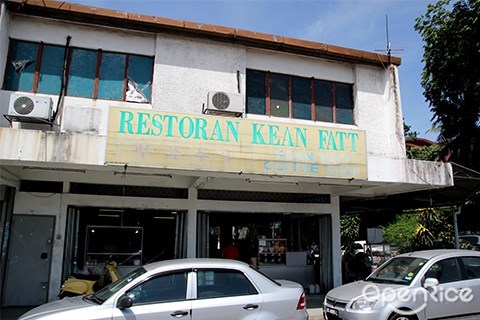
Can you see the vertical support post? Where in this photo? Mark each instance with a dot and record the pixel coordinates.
(455, 226)
(336, 243)
(191, 226)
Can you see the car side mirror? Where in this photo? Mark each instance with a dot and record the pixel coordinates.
(124, 302)
(430, 283)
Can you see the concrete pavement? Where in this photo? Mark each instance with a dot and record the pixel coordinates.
(315, 306)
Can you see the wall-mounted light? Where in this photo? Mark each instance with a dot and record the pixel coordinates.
(161, 175)
(164, 218)
(110, 210)
(54, 169)
(292, 183)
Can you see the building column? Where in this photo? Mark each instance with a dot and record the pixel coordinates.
(336, 242)
(191, 234)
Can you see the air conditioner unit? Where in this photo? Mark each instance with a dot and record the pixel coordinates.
(30, 106)
(219, 102)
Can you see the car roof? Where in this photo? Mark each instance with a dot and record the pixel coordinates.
(196, 263)
(442, 253)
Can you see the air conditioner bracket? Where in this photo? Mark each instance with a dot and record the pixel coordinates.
(221, 113)
(12, 118)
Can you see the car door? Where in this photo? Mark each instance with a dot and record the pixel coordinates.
(472, 271)
(161, 297)
(444, 300)
(225, 294)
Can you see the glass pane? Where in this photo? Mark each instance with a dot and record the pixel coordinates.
(168, 287)
(445, 271)
(51, 69)
(81, 78)
(112, 75)
(21, 66)
(472, 267)
(222, 283)
(301, 98)
(344, 103)
(256, 92)
(323, 101)
(279, 95)
(140, 70)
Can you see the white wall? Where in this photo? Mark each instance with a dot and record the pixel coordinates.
(84, 36)
(186, 69)
(301, 66)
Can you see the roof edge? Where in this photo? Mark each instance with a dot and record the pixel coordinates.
(100, 16)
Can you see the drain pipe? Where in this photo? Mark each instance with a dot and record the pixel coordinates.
(455, 226)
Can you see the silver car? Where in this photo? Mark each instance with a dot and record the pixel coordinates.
(197, 289)
(433, 284)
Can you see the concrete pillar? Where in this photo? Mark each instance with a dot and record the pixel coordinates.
(192, 223)
(336, 242)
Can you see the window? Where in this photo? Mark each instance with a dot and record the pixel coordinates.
(472, 267)
(38, 67)
(445, 271)
(222, 283)
(20, 71)
(163, 288)
(295, 97)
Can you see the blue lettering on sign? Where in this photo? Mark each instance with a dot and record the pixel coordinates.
(286, 166)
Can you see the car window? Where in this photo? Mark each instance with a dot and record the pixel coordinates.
(399, 270)
(162, 288)
(108, 291)
(470, 239)
(445, 271)
(215, 283)
(472, 267)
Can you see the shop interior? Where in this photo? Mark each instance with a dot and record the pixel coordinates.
(130, 237)
(283, 244)
(264, 238)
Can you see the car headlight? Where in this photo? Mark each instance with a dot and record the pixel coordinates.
(363, 305)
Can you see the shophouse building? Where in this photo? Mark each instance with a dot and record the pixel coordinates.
(139, 138)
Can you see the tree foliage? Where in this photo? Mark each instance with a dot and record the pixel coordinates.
(401, 232)
(451, 75)
(435, 229)
(427, 153)
(421, 229)
(349, 231)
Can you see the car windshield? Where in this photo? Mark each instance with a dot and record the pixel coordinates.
(399, 270)
(106, 292)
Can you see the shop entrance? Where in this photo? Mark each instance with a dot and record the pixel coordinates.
(130, 237)
(289, 246)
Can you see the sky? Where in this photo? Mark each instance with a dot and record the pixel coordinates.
(356, 24)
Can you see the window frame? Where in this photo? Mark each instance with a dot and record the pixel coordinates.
(186, 273)
(313, 102)
(467, 268)
(97, 80)
(224, 294)
(458, 266)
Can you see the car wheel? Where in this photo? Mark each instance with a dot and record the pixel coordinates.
(402, 317)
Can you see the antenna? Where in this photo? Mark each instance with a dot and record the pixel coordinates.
(389, 50)
(389, 44)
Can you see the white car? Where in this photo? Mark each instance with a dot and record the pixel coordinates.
(194, 289)
(433, 284)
